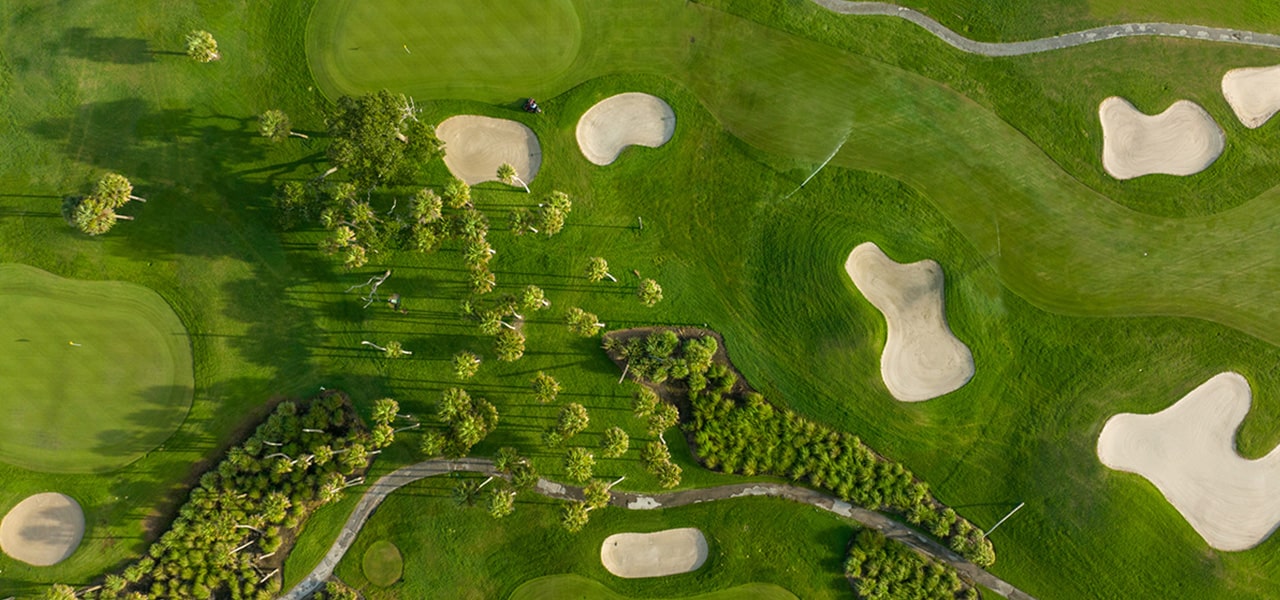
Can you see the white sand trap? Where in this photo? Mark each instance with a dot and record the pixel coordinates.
(474, 148)
(635, 555)
(1182, 140)
(42, 530)
(1253, 93)
(631, 119)
(922, 359)
(1188, 452)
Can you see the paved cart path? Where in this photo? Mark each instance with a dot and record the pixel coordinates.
(635, 501)
(1066, 40)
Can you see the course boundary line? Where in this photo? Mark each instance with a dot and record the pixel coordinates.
(1058, 42)
(399, 478)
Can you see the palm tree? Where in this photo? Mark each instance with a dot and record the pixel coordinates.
(545, 388)
(615, 442)
(578, 464)
(465, 364)
(575, 516)
(116, 190)
(457, 193)
(274, 125)
(509, 345)
(650, 292)
(582, 322)
(94, 216)
(533, 298)
(664, 416)
(507, 174)
(426, 207)
(385, 410)
(598, 269)
(502, 502)
(393, 349)
(573, 419)
(201, 46)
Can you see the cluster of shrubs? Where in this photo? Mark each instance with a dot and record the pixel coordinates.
(880, 569)
(226, 541)
(738, 431)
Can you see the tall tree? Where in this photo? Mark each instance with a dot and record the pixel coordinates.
(507, 174)
(554, 210)
(385, 411)
(426, 207)
(115, 190)
(573, 419)
(644, 402)
(376, 138)
(91, 215)
(465, 364)
(533, 298)
(598, 269)
(650, 292)
(582, 322)
(615, 442)
(509, 345)
(201, 46)
(502, 502)
(663, 417)
(275, 125)
(545, 388)
(578, 464)
(457, 193)
(575, 516)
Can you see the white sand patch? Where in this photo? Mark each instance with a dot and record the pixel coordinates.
(1188, 452)
(922, 359)
(631, 119)
(635, 555)
(43, 529)
(1253, 93)
(1182, 140)
(474, 148)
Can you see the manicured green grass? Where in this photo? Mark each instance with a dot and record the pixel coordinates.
(574, 586)
(382, 564)
(97, 373)
(465, 553)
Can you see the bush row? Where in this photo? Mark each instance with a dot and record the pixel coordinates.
(880, 569)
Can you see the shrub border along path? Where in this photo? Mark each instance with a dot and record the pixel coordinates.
(634, 501)
(1057, 42)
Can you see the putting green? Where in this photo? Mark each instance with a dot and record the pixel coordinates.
(581, 588)
(382, 563)
(1053, 240)
(95, 373)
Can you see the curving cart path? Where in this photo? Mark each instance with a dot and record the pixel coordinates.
(1066, 40)
(633, 501)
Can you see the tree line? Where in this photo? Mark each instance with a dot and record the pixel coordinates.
(739, 431)
(882, 569)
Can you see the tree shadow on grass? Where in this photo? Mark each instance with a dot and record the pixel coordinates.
(80, 42)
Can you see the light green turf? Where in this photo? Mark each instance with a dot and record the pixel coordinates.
(1053, 240)
(96, 373)
(581, 588)
(382, 563)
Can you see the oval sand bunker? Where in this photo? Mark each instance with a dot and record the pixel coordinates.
(1182, 140)
(1253, 93)
(1188, 452)
(474, 148)
(42, 530)
(635, 555)
(922, 359)
(631, 119)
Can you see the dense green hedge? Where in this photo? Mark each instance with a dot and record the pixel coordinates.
(736, 430)
(227, 539)
(879, 569)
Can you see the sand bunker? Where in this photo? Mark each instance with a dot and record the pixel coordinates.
(1188, 452)
(922, 359)
(634, 555)
(1254, 93)
(1182, 140)
(474, 148)
(631, 119)
(42, 530)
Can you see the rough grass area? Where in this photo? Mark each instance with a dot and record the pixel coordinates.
(465, 553)
(96, 373)
(581, 588)
(382, 564)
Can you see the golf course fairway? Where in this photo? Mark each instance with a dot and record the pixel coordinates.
(97, 372)
(1053, 241)
(578, 587)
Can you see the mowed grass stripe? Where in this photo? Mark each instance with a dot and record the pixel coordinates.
(121, 390)
(1054, 241)
(581, 588)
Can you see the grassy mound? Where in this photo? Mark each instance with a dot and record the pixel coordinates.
(96, 373)
(575, 586)
(382, 563)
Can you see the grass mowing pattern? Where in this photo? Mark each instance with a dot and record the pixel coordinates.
(122, 390)
(581, 588)
(1053, 240)
(382, 563)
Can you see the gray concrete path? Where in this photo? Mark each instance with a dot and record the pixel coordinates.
(634, 501)
(1066, 40)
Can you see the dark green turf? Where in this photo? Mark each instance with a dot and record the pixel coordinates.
(96, 373)
(574, 586)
